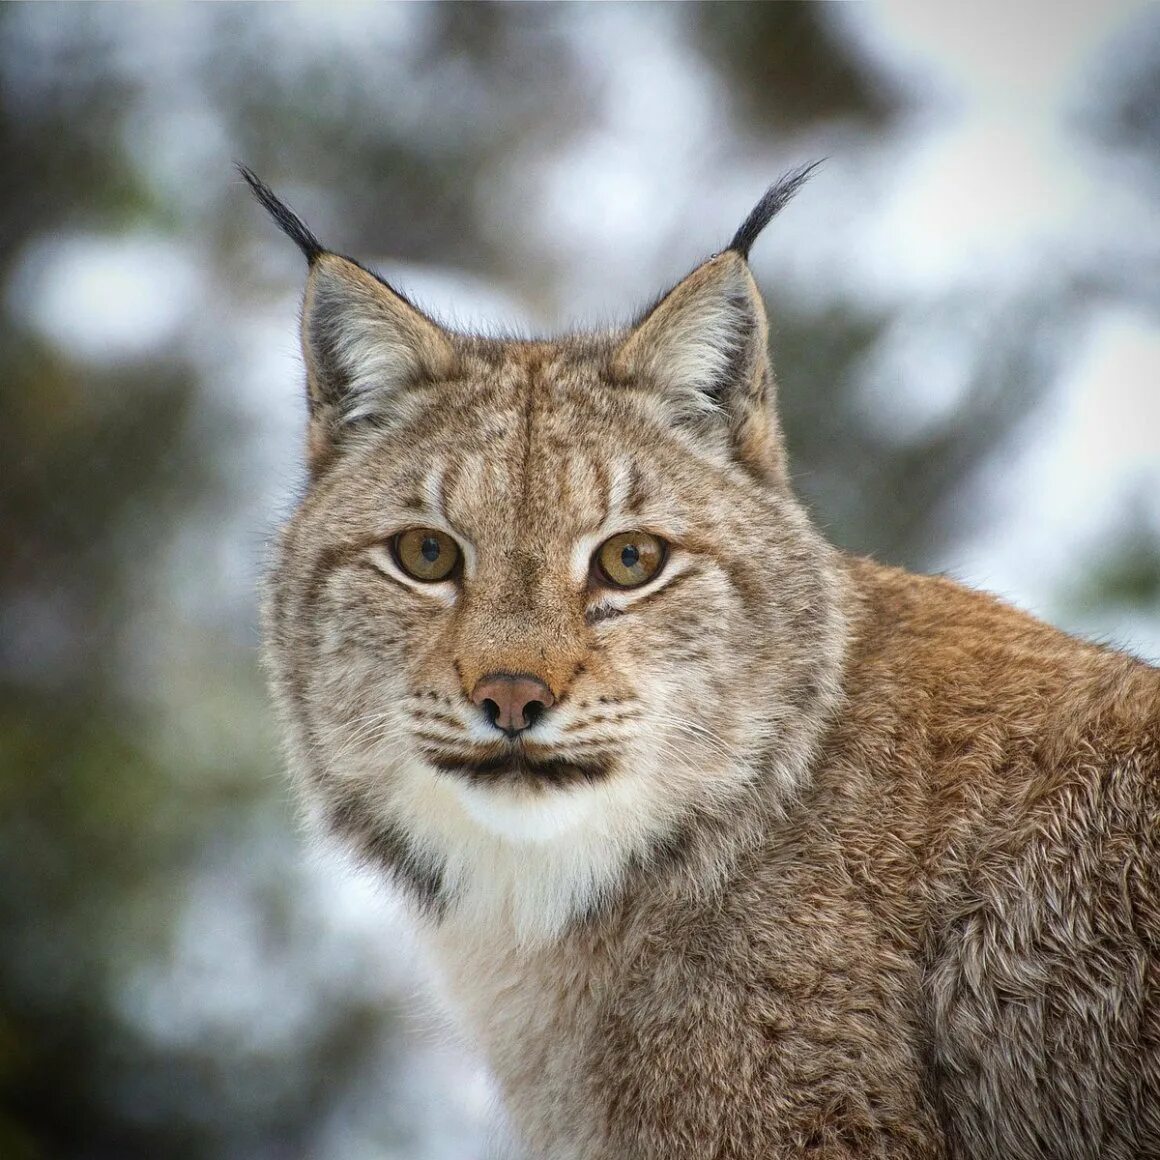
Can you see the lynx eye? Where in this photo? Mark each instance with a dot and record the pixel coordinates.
(426, 554)
(629, 559)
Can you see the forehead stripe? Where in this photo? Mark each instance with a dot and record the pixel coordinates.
(434, 492)
(603, 486)
(627, 491)
(636, 490)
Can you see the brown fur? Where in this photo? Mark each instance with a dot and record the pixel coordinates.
(870, 868)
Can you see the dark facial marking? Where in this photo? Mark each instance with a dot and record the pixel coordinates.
(520, 767)
(636, 491)
(385, 845)
(602, 612)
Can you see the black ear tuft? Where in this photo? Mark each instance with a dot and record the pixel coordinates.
(777, 196)
(288, 221)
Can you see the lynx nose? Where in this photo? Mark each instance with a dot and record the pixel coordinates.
(513, 702)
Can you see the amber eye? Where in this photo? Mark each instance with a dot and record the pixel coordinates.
(426, 554)
(629, 559)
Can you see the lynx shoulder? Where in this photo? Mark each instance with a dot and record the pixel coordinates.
(724, 844)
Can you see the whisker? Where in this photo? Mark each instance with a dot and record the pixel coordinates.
(715, 744)
(576, 726)
(703, 733)
(365, 729)
(433, 714)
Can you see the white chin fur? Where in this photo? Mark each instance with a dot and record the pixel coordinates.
(522, 815)
(523, 861)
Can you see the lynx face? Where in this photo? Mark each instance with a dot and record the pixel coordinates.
(545, 605)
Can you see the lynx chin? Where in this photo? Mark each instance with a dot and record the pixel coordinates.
(725, 845)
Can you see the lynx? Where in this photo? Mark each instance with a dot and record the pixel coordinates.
(724, 844)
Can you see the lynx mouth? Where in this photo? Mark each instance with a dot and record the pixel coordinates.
(516, 766)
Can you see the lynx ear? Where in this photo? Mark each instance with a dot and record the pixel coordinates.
(703, 347)
(363, 341)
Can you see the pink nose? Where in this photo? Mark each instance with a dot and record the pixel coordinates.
(512, 702)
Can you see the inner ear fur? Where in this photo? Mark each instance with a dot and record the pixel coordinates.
(364, 344)
(704, 347)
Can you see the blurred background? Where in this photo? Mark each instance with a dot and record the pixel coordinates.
(966, 311)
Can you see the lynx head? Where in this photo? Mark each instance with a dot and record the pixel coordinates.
(548, 611)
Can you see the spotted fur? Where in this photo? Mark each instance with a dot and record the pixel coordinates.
(809, 858)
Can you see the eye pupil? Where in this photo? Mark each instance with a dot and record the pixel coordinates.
(629, 559)
(425, 554)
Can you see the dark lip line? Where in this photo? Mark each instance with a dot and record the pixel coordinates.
(518, 765)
